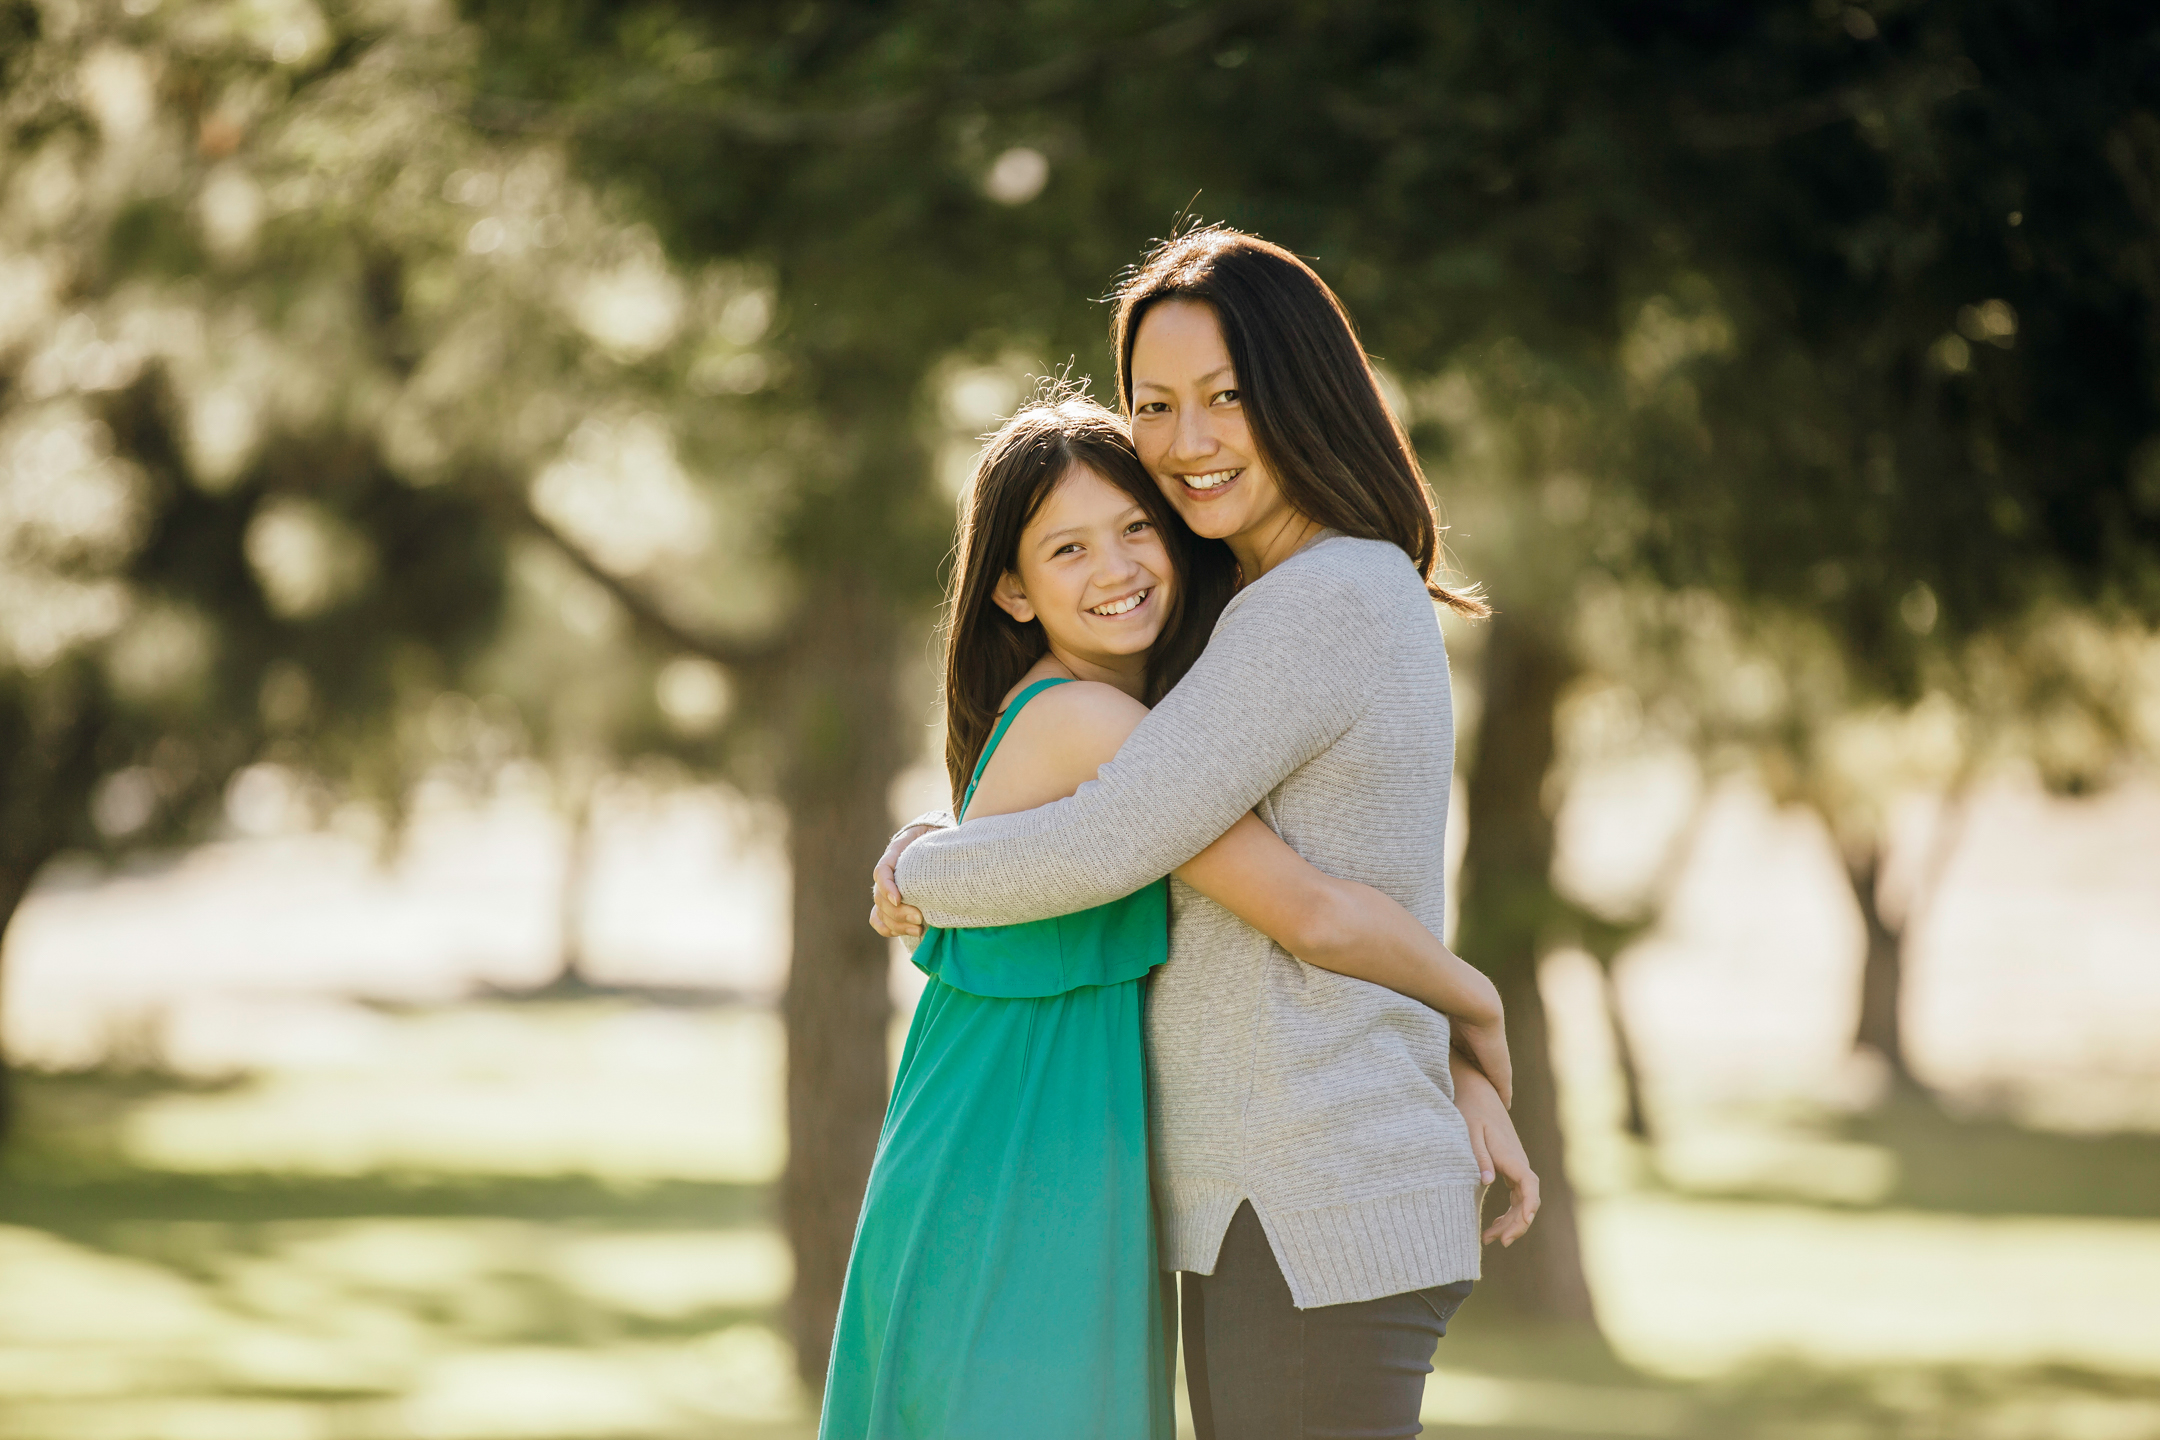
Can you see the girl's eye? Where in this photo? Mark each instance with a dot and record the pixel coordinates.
(1072, 547)
(1137, 526)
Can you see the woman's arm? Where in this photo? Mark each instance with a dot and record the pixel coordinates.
(1353, 930)
(1288, 671)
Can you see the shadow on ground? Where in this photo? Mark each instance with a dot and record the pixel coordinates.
(155, 1302)
(1994, 1167)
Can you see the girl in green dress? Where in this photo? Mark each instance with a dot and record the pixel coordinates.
(1003, 1281)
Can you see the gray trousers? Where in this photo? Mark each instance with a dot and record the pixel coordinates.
(1259, 1368)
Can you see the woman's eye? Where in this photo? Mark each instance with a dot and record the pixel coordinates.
(1152, 407)
(1227, 397)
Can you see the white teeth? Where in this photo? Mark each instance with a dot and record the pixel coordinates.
(1212, 479)
(1119, 607)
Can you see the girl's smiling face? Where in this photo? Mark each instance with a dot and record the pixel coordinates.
(1093, 570)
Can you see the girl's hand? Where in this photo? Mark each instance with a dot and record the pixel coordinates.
(1483, 1039)
(1498, 1149)
(891, 916)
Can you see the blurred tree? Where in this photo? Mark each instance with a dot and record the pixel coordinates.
(209, 560)
(1850, 311)
(300, 382)
(848, 156)
(1937, 270)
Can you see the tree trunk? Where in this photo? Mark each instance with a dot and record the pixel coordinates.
(1882, 971)
(14, 885)
(1637, 1117)
(50, 741)
(1507, 900)
(576, 889)
(847, 743)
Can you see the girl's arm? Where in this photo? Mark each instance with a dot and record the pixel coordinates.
(1498, 1149)
(1353, 930)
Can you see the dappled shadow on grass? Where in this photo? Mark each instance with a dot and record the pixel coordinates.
(1994, 1167)
(144, 1302)
(87, 1203)
(1928, 1403)
(66, 1172)
(1514, 1385)
(1912, 1154)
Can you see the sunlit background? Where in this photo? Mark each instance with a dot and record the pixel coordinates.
(472, 492)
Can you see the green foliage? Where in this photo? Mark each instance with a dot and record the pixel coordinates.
(280, 343)
(1890, 273)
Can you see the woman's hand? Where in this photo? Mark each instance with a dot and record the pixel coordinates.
(1499, 1151)
(891, 916)
(1482, 1037)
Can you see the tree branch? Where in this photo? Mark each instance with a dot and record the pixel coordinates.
(648, 612)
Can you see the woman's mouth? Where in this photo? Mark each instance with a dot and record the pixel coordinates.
(1211, 480)
(1123, 605)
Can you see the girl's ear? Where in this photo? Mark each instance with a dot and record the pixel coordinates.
(1012, 599)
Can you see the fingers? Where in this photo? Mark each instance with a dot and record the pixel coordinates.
(1512, 1226)
(1483, 1151)
(893, 918)
(1509, 1227)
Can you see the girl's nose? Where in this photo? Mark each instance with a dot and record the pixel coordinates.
(1118, 565)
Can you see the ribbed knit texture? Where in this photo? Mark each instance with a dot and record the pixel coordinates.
(1322, 701)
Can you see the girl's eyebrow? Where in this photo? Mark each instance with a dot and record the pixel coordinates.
(1083, 527)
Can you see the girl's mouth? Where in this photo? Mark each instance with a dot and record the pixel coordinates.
(1123, 605)
(1211, 481)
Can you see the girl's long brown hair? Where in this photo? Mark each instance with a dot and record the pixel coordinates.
(986, 650)
(1316, 411)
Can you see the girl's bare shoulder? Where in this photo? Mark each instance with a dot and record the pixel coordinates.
(1055, 745)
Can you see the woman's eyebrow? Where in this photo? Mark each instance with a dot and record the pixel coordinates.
(1218, 371)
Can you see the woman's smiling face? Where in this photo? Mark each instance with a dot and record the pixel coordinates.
(1189, 425)
(1094, 571)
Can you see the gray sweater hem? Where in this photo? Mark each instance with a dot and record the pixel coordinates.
(1335, 1254)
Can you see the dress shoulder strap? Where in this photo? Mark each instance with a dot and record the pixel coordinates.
(1004, 723)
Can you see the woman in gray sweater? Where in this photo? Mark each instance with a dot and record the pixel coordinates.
(1319, 1148)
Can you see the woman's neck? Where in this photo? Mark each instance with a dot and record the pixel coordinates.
(1127, 672)
(1271, 542)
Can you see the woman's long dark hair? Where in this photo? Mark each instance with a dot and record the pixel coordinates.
(986, 650)
(1315, 409)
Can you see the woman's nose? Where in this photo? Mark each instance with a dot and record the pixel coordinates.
(1195, 438)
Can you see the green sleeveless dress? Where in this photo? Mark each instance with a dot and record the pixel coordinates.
(1003, 1282)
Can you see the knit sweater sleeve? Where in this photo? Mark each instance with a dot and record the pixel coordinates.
(1291, 666)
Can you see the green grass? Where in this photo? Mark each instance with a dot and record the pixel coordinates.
(149, 1291)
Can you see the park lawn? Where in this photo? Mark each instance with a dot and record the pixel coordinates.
(565, 1233)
